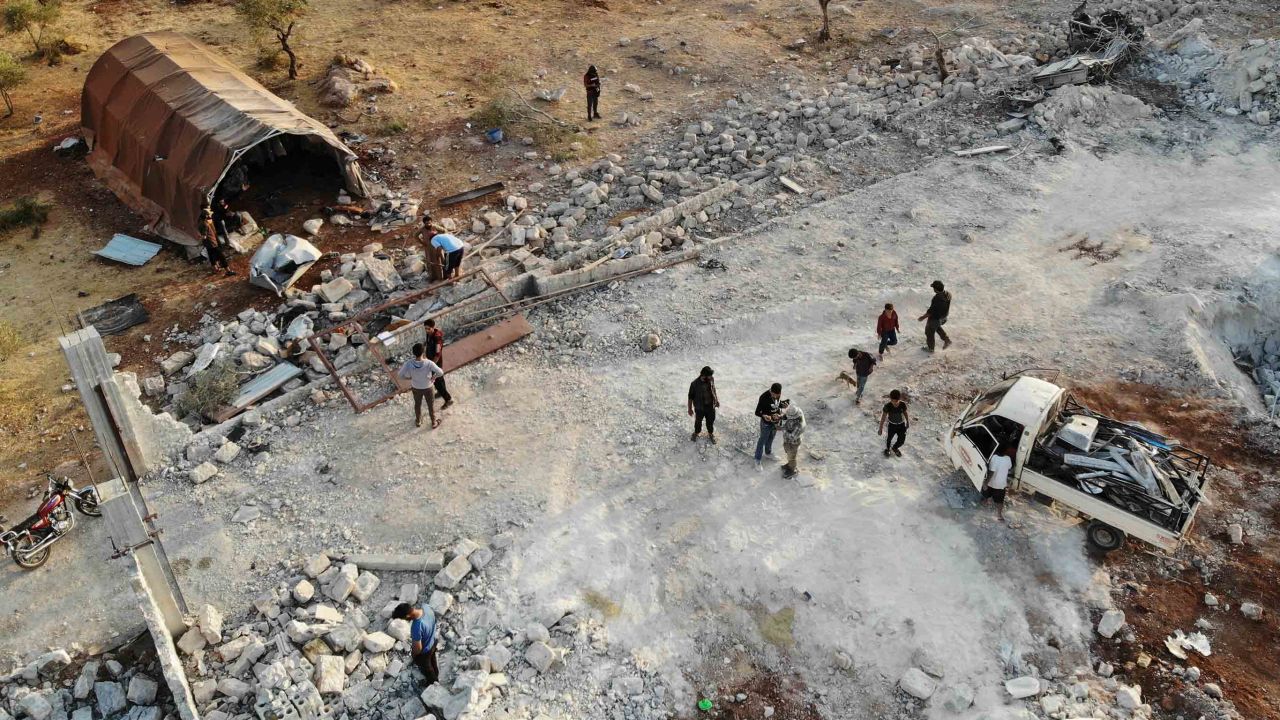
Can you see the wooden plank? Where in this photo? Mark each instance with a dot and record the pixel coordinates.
(791, 185)
(981, 150)
(477, 345)
(471, 194)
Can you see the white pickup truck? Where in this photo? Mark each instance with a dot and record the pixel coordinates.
(1125, 479)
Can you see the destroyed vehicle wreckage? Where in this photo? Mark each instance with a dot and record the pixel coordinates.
(1101, 45)
(1126, 479)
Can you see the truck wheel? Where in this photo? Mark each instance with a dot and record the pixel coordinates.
(1103, 537)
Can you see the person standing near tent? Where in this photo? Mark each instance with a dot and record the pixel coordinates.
(213, 245)
(591, 81)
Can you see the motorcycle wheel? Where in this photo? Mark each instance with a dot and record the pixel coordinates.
(26, 560)
(87, 504)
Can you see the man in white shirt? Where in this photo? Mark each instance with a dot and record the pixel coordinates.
(997, 481)
(422, 375)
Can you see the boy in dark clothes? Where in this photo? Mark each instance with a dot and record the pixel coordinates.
(703, 403)
(863, 366)
(898, 419)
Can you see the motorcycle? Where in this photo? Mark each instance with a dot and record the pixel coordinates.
(29, 541)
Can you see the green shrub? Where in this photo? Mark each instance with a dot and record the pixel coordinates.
(25, 211)
(212, 388)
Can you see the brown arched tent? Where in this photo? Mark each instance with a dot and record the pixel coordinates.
(165, 119)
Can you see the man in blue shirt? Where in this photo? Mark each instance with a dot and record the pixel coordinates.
(451, 246)
(422, 637)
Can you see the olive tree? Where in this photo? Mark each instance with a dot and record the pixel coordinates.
(275, 16)
(31, 17)
(12, 75)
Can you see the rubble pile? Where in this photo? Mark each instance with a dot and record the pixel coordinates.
(322, 644)
(126, 685)
(1072, 107)
(349, 78)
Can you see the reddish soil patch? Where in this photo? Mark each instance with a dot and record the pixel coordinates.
(785, 694)
(1161, 597)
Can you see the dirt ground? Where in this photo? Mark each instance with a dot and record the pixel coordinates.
(688, 55)
(691, 550)
(719, 578)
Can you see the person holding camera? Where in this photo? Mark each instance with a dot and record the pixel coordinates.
(769, 409)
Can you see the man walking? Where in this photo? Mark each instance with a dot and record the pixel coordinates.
(863, 366)
(793, 426)
(895, 413)
(887, 328)
(422, 374)
(769, 410)
(435, 353)
(936, 316)
(703, 402)
(997, 481)
(422, 636)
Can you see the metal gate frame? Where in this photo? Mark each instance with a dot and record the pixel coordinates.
(392, 336)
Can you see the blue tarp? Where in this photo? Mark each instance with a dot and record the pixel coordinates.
(129, 250)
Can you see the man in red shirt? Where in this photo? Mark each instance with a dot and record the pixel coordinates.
(435, 353)
(887, 328)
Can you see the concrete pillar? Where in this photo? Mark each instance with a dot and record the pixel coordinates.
(133, 528)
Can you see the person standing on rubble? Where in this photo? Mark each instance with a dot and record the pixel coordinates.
(452, 247)
(887, 328)
(435, 353)
(422, 374)
(895, 414)
(769, 409)
(863, 366)
(703, 402)
(936, 316)
(793, 426)
(422, 636)
(213, 246)
(997, 482)
(591, 81)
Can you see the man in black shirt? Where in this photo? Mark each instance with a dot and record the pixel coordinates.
(703, 403)
(435, 353)
(936, 316)
(895, 412)
(769, 410)
(863, 366)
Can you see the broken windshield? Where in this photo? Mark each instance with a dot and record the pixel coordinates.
(989, 400)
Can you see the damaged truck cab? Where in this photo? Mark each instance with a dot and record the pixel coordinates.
(1121, 477)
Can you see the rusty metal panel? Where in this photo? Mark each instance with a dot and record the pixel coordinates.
(477, 345)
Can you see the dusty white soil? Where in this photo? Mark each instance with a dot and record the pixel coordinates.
(580, 441)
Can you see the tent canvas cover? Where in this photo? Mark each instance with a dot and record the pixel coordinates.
(166, 117)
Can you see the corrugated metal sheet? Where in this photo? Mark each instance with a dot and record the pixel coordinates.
(261, 386)
(129, 250)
